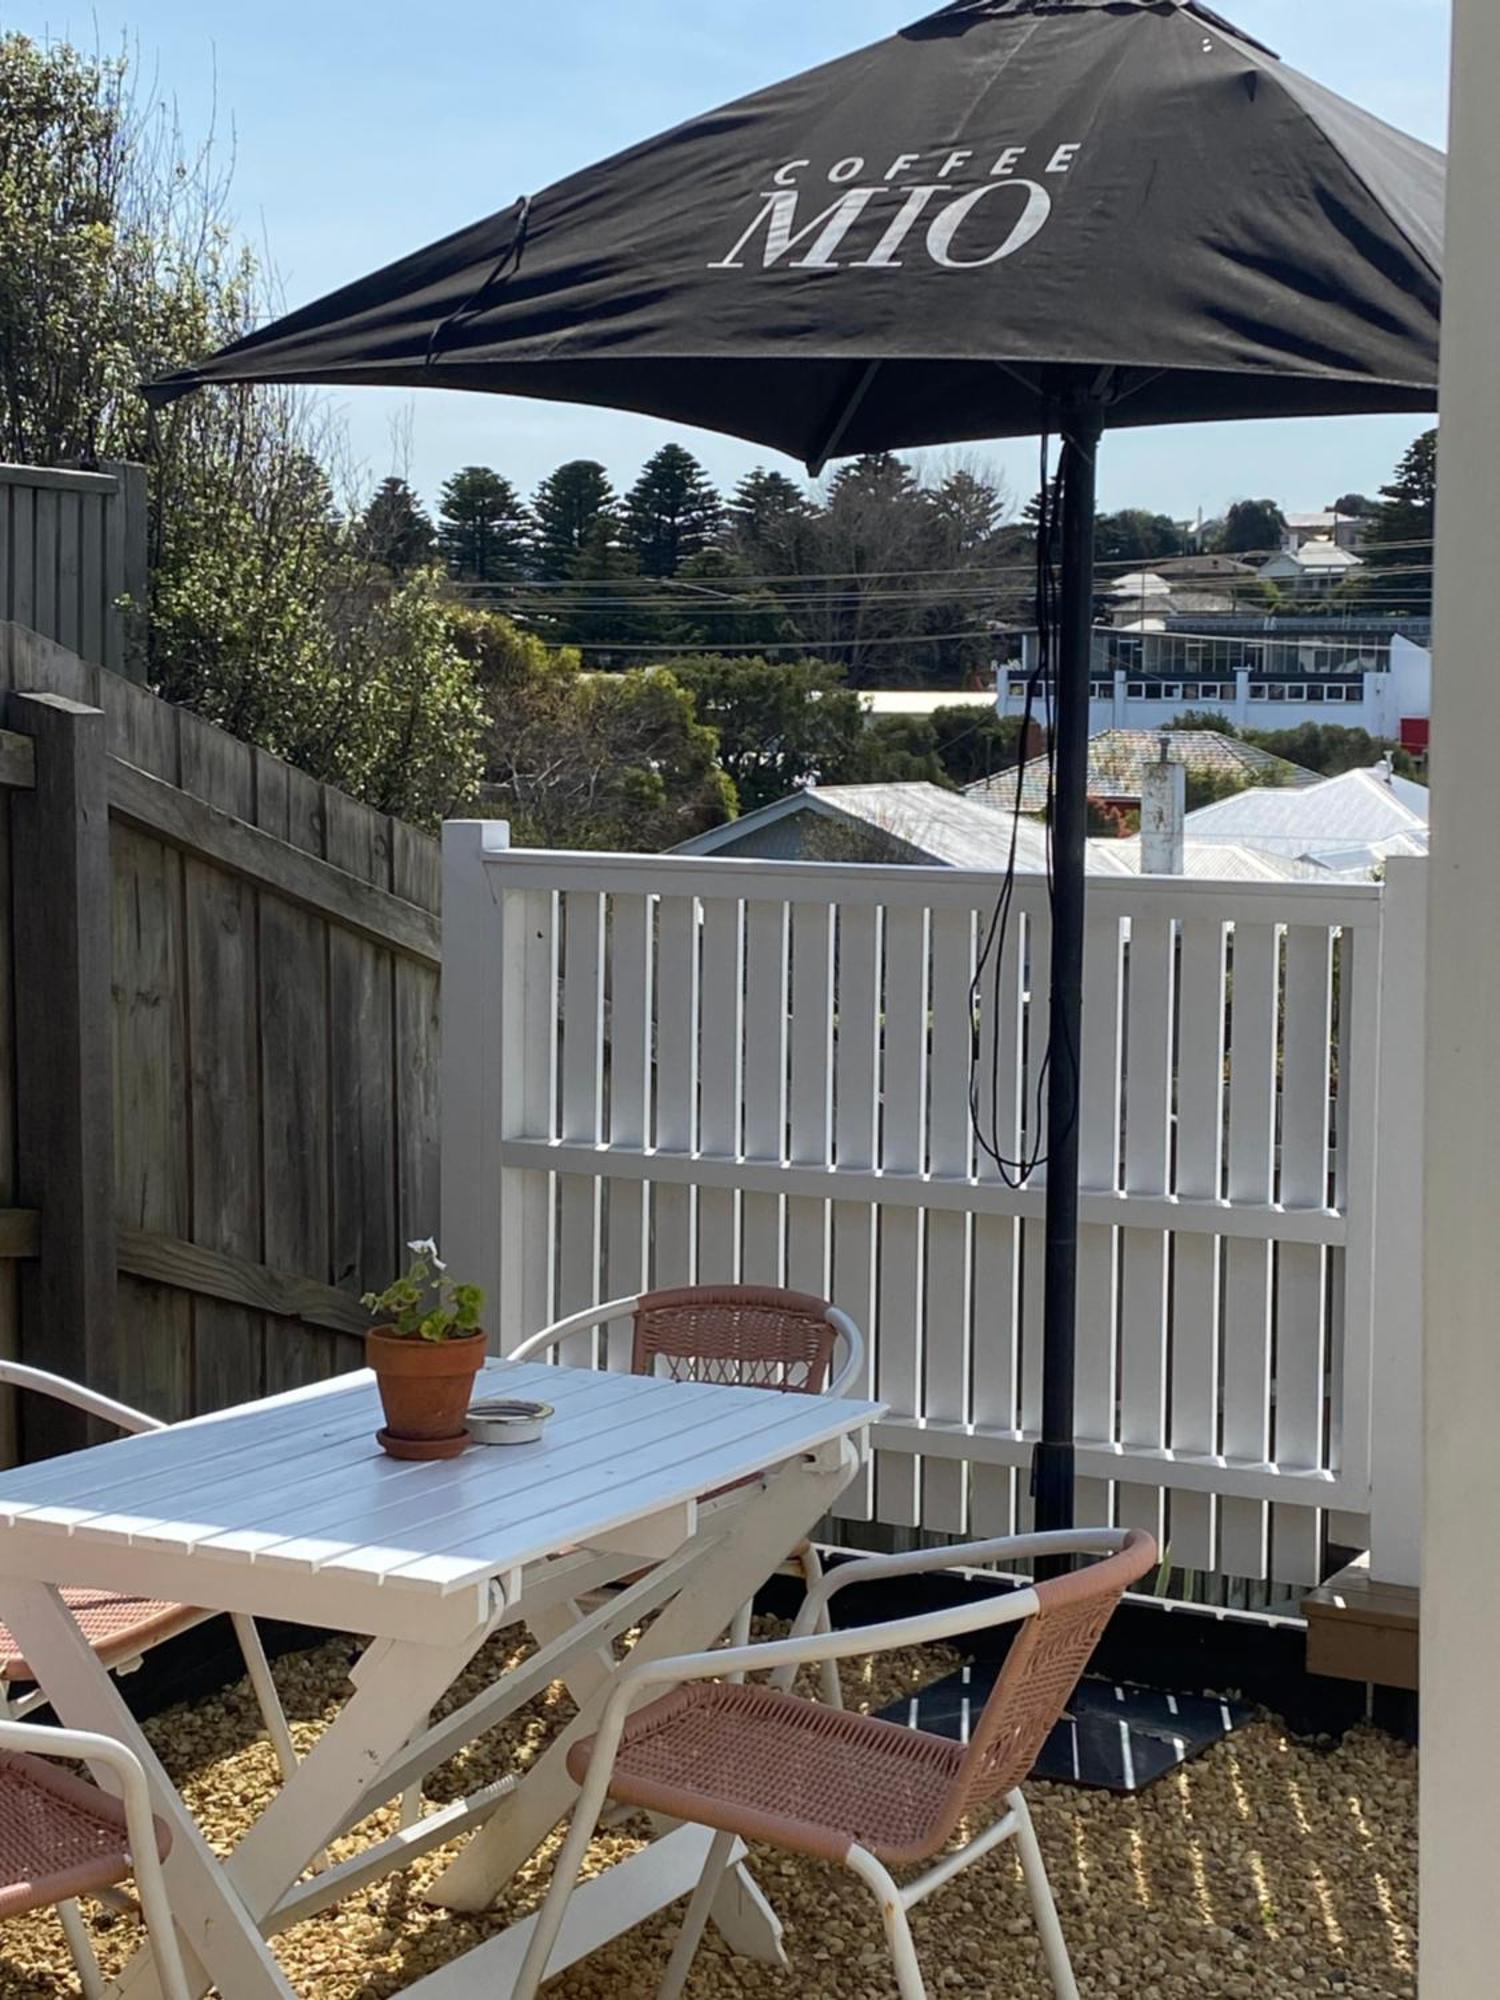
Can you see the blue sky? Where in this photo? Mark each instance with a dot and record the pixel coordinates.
(363, 130)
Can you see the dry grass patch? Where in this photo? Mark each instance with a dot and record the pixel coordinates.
(1268, 1868)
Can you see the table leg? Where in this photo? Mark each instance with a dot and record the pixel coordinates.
(713, 1590)
(221, 1944)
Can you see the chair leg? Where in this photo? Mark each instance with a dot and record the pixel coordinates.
(1054, 1944)
(828, 1670)
(565, 1872)
(877, 1878)
(81, 1950)
(693, 1924)
(739, 1630)
(272, 1714)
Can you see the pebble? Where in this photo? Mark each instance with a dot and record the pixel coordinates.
(1271, 1868)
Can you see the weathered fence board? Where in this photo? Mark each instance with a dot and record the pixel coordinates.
(273, 994)
(73, 558)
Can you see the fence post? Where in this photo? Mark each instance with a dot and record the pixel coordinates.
(64, 1060)
(1396, 1291)
(473, 1057)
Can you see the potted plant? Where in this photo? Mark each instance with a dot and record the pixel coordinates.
(425, 1352)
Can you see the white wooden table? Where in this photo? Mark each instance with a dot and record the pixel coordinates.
(288, 1509)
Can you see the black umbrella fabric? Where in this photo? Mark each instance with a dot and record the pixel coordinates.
(902, 247)
(1015, 217)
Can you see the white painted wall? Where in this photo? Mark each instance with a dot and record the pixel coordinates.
(1460, 1819)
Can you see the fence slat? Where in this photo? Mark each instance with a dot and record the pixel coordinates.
(947, 1308)
(223, 1072)
(535, 915)
(720, 1058)
(855, 1085)
(765, 1088)
(1255, 991)
(1034, 1232)
(1143, 1288)
(997, 1270)
(44, 570)
(1195, 1260)
(902, 1150)
(581, 1117)
(808, 1234)
(1300, 1277)
(676, 1081)
(1096, 1387)
(630, 920)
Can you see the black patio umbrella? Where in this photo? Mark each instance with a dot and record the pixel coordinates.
(1015, 217)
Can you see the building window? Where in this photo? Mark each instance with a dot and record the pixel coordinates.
(1171, 691)
(1336, 694)
(1258, 691)
(1136, 690)
(1314, 691)
(1102, 690)
(1275, 692)
(1018, 690)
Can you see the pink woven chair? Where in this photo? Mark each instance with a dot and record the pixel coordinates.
(61, 1838)
(122, 1628)
(760, 1763)
(749, 1336)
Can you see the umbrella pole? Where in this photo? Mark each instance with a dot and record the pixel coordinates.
(1052, 1465)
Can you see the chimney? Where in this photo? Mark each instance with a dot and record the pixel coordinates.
(1163, 812)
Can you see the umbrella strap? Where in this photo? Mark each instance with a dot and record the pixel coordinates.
(505, 264)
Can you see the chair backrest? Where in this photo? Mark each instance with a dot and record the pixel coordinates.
(1041, 1670)
(748, 1335)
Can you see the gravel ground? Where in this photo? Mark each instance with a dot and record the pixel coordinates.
(1268, 1868)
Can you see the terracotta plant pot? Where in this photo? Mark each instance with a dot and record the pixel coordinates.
(425, 1389)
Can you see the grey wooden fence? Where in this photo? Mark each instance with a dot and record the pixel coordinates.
(218, 1048)
(73, 559)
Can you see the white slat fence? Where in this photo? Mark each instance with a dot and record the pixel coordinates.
(717, 1070)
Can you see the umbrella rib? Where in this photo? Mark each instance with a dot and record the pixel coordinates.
(842, 422)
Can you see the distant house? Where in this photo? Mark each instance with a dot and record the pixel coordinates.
(1117, 758)
(1347, 825)
(1140, 601)
(1346, 529)
(1313, 568)
(920, 703)
(921, 825)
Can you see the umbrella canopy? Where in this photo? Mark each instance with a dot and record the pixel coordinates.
(926, 241)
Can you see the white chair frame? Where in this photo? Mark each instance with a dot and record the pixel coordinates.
(808, 1646)
(20, 1375)
(102, 1752)
(843, 1380)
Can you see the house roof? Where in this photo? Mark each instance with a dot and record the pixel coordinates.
(1349, 822)
(1140, 583)
(944, 829)
(1117, 761)
(1320, 553)
(1201, 568)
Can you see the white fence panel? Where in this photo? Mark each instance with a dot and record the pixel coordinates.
(717, 1070)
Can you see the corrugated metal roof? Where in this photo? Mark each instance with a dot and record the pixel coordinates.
(944, 829)
(1117, 761)
(1335, 822)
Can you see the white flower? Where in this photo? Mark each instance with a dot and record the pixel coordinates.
(426, 1246)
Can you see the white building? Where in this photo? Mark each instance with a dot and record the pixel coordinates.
(1313, 569)
(1272, 674)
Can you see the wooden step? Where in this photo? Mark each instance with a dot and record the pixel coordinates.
(1360, 1630)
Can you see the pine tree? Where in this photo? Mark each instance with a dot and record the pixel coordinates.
(1399, 540)
(770, 521)
(569, 506)
(484, 528)
(395, 531)
(672, 512)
